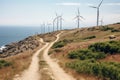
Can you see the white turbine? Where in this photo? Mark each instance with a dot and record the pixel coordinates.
(97, 11)
(61, 23)
(78, 17)
(56, 18)
(57, 21)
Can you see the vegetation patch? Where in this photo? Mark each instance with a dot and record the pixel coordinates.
(104, 70)
(86, 54)
(111, 47)
(90, 37)
(60, 44)
(106, 28)
(115, 30)
(87, 60)
(118, 23)
(4, 63)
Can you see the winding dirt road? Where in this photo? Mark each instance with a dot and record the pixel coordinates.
(32, 73)
(57, 71)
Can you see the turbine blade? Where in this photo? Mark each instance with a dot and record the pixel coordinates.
(82, 17)
(75, 17)
(92, 6)
(78, 11)
(100, 3)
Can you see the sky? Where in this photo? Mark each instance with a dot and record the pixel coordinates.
(37, 12)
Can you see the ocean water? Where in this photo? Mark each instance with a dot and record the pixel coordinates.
(13, 34)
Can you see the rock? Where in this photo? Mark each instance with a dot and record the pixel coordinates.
(112, 36)
(19, 47)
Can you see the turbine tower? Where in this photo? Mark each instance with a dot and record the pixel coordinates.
(48, 25)
(101, 21)
(98, 7)
(57, 21)
(78, 17)
(61, 19)
(56, 18)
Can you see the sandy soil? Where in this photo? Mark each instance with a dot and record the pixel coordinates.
(32, 73)
(57, 71)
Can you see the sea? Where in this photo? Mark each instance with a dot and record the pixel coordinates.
(9, 34)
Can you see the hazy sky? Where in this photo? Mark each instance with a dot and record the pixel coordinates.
(36, 12)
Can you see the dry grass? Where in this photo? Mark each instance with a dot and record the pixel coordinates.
(44, 69)
(76, 37)
(49, 37)
(19, 63)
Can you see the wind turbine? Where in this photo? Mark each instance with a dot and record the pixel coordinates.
(78, 17)
(61, 19)
(98, 7)
(57, 18)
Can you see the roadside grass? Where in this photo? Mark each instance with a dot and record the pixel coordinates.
(44, 68)
(18, 63)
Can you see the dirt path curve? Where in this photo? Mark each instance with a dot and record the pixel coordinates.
(32, 72)
(57, 71)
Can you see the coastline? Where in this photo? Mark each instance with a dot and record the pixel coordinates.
(29, 43)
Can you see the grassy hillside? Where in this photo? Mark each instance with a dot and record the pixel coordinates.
(86, 53)
(89, 53)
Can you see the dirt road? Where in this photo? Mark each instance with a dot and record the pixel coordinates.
(32, 73)
(57, 71)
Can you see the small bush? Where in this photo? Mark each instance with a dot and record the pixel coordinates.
(59, 44)
(73, 55)
(115, 30)
(106, 28)
(106, 47)
(4, 63)
(118, 23)
(91, 29)
(86, 54)
(90, 37)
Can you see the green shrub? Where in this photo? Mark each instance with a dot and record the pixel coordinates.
(73, 55)
(118, 23)
(85, 54)
(106, 28)
(59, 44)
(89, 64)
(115, 30)
(4, 63)
(90, 37)
(106, 47)
(102, 69)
